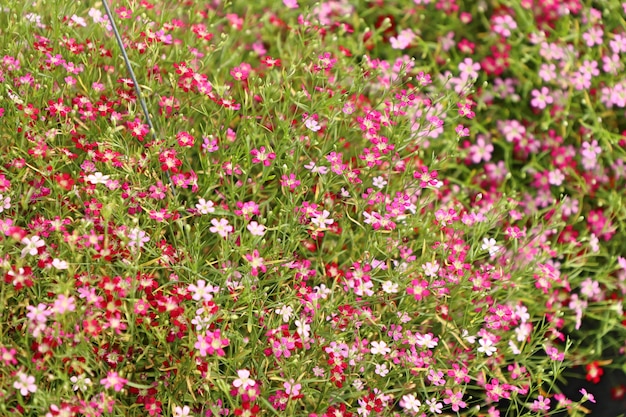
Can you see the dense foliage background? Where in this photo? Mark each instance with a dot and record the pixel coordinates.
(334, 208)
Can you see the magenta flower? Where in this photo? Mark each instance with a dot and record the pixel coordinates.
(113, 380)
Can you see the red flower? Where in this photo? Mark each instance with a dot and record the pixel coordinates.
(247, 410)
(618, 392)
(594, 372)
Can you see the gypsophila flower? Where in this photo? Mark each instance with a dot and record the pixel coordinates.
(286, 312)
(486, 346)
(25, 384)
(113, 380)
(221, 227)
(202, 292)
(381, 370)
(390, 287)
(205, 207)
(587, 396)
(256, 229)
(322, 220)
(32, 245)
(244, 381)
(59, 264)
(379, 182)
(410, 403)
(379, 348)
(434, 406)
(98, 178)
(292, 388)
(5, 203)
(137, 238)
(182, 411)
(312, 124)
(490, 245)
(81, 382)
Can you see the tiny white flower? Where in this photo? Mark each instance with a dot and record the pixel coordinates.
(322, 220)
(470, 339)
(379, 348)
(411, 403)
(97, 178)
(379, 182)
(286, 312)
(390, 287)
(490, 244)
(32, 245)
(486, 346)
(59, 264)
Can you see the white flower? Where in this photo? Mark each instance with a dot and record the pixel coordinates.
(379, 182)
(410, 403)
(321, 220)
(381, 369)
(97, 178)
(303, 329)
(286, 312)
(322, 291)
(379, 348)
(244, 381)
(390, 287)
(181, 411)
(32, 245)
(59, 264)
(470, 339)
(490, 244)
(486, 346)
(25, 384)
(514, 348)
(425, 340)
(358, 384)
(5, 203)
(81, 382)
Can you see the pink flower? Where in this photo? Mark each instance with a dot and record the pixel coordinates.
(419, 289)
(240, 73)
(216, 343)
(8, 356)
(587, 396)
(455, 399)
(291, 4)
(202, 345)
(540, 404)
(256, 229)
(541, 98)
(25, 384)
(63, 304)
(503, 25)
(261, 156)
(221, 227)
(256, 263)
(291, 388)
(290, 181)
(426, 178)
(113, 380)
